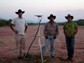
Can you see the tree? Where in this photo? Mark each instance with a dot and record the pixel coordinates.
(9, 21)
(2, 23)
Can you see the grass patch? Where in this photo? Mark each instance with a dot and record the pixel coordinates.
(81, 62)
(1, 42)
(82, 41)
(60, 58)
(29, 59)
(37, 58)
(4, 58)
(11, 49)
(0, 60)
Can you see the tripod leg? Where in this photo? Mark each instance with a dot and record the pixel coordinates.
(41, 54)
(41, 50)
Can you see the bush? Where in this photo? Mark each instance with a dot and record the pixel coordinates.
(2, 23)
(8, 22)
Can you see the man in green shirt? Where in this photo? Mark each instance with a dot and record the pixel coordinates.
(70, 30)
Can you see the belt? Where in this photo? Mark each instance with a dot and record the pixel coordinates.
(51, 34)
(19, 34)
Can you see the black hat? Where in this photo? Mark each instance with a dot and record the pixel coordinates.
(19, 11)
(69, 16)
(51, 15)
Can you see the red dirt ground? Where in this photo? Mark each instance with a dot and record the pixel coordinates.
(7, 44)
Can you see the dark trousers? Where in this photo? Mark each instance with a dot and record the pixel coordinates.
(70, 42)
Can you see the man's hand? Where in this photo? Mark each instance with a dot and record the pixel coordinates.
(54, 37)
(73, 36)
(75, 32)
(16, 32)
(24, 31)
(64, 32)
(46, 37)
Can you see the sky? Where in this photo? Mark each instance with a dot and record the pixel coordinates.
(59, 8)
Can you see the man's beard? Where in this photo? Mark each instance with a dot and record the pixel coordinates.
(51, 20)
(20, 15)
(69, 20)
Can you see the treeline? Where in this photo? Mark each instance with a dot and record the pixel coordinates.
(79, 22)
(5, 22)
(32, 23)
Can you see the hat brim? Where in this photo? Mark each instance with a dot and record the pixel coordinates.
(68, 17)
(52, 16)
(20, 12)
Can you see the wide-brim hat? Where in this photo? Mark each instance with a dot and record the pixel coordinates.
(20, 11)
(51, 15)
(69, 16)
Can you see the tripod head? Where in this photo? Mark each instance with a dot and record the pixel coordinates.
(38, 32)
(39, 15)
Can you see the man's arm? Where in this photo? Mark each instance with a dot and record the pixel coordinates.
(11, 26)
(64, 32)
(76, 31)
(76, 28)
(57, 32)
(45, 32)
(64, 29)
(25, 29)
(26, 25)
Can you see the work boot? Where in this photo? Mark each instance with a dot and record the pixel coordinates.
(52, 57)
(20, 57)
(70, 59)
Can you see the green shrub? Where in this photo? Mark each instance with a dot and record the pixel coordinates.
(8, 22)
(2, 23)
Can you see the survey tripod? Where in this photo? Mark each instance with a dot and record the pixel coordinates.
(39, 37)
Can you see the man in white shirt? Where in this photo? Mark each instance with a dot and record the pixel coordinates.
(19, 30)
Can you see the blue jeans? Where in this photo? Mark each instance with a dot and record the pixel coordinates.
(70, 42)
(47, 41)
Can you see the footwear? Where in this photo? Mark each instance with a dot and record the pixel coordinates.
(20, 57)
(16, 58)
(52, 57)
(67, 58)
(70, 59)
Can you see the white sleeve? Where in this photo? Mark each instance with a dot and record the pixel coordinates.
(13, 22)
(26, 24)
